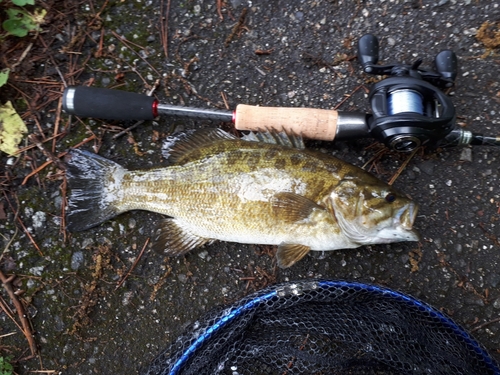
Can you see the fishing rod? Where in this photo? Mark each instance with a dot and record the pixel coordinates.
(408, 109)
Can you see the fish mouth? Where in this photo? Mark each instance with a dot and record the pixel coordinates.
(406, 216)
(397, 234)
(403, 225)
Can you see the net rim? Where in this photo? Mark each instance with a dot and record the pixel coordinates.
(300, 287)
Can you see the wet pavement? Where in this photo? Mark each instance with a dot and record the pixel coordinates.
(276, 53)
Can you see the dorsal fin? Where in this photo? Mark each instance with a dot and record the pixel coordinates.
(281, 138)
(177, 148)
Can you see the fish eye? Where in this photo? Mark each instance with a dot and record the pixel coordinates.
(390, 197)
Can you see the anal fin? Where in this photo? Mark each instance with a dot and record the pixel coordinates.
(174, 239)
(289, 254)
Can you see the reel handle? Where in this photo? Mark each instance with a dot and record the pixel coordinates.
(108, 104)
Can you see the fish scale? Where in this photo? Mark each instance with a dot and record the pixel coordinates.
(264, 190)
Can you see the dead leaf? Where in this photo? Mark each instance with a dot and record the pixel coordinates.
(12, 128)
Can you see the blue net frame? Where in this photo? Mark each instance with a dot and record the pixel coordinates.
(325, 327)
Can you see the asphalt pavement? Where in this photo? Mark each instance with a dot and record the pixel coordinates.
(286, 54)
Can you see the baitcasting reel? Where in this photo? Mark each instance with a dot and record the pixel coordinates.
(408, 108)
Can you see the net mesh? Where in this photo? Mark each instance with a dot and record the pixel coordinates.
(325, 327)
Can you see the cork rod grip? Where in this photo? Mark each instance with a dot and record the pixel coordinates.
(311, 123)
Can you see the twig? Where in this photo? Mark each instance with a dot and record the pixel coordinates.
(26, 328)
(377, 155)
(44, 165)
(223, 94)
(26, 231)
(403, 166)
(6, 309)
(99, 52)
(236, 27)
(24, 54)
(37, 170)
(45, 140)
(484, 325)
(290, 364)
(98, 14)
(63, 208)
(49, 155)
(54, 63)
(125, 42)
(160, 282)
(58, 120)
(7, 335)
(9, 243)
(164, 28)
(219, 9)
(191, 90)
(185, 65)
(347, 96)
(133, 265)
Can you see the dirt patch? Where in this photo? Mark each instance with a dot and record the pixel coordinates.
(489, 34)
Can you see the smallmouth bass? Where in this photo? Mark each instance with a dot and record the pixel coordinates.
(265, 188)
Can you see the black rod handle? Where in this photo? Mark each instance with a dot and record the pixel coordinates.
(108, 104)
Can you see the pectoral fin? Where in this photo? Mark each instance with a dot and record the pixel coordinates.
(288, 254)
(291, 208)
(175, 239)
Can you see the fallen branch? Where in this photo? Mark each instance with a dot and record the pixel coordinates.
(26, 231)
(120, 283)
(219, 9)
(164, 28)
(236, 29)
(26, 327)
(48, 162)
(403, 166)
(484, 325)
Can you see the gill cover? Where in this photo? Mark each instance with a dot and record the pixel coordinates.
(371, 213)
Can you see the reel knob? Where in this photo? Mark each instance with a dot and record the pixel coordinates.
(447, 66)
(368, 52)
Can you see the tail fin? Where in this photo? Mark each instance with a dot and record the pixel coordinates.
(94, 184)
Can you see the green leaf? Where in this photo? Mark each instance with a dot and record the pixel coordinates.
(4, 75)
(5, 367)
(14, 12)
(20, 22)
(22, 3)
(15, 27)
